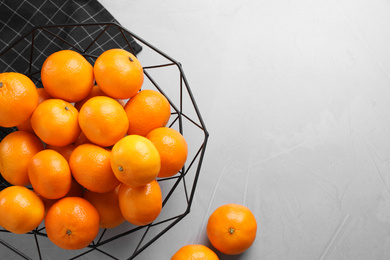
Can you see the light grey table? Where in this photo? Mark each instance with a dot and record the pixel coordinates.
(296, 97)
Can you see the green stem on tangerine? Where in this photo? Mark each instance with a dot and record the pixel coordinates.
(1, 84)
(120, 168)
(231, 230)
(68, 232)
(66, 108)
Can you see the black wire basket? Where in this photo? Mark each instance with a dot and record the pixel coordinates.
(27, 54)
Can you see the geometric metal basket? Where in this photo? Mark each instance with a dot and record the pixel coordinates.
(27, 54)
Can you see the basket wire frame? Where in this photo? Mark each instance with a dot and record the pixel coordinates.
(91, 50)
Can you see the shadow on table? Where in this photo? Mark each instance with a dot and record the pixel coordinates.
(223, 256)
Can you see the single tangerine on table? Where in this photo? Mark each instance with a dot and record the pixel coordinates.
(232, 228)
(107, 205)
(72, 223)
(16, 151)
(50, 174)
(67, 75)
(103, 121)
(26, 125)
(195, 252)
(55, 122)
(135, 160)
(21, 210)
(18, 98)
(118, 73)
(141, 205)
(147, 110)
(90, 166)
(172, 148)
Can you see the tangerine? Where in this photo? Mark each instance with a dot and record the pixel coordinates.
(49, 174)
(90, 166)
(118, 73)
(72, 223)
(107, 204)
(18, 98)
(103, 120)
(16, 151)
(141, 205)
(21, 210)
(172, 148)
(194, 252)
(135, 160)
(232, 228)
(55, 122)
(67, 75)
(147, 110)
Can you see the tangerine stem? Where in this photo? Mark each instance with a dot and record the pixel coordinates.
(231, 230)
(130, 59)
(68, 232)
(66, 108)
(120, 168)
(1, 84)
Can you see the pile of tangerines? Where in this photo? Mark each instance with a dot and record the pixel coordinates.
(88, 151)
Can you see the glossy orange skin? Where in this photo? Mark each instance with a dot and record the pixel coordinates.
(50, 174)
(147, 110)
(103, 121)
(72, 223)
(231, 229)
(140, 206)
(195, 252)
(135, 160)
(26, 125)
(67, 75)
(55, 122)
(90, 166)
(172, 147)
(21, 210)
(118, 73)
(16, 151)
(107, 204)
(18, 98)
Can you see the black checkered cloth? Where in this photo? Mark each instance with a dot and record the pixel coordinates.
(19, 17)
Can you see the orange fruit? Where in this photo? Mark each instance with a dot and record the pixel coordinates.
(135, 161)
(118, 73)
(195, 252)
(141, 205)
(49, 174)
(103, 121)
(21, 210)
(172, 148)
(96, 91)
(65, 151)
(72, 223)
(18, 98)
(107, 205)
(231, 229)
(90, 166)
(147, 110)
(55, 122)
(26, 125)
(67, 75)
(16, 151)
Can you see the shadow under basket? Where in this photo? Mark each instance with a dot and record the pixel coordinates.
(162, 73)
